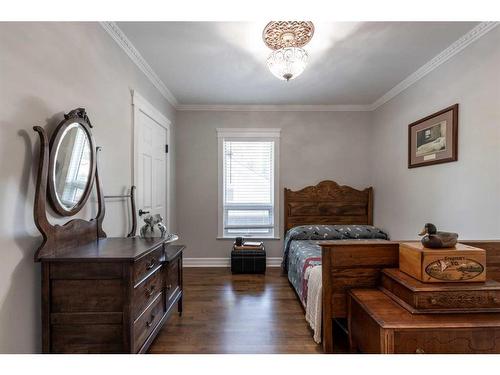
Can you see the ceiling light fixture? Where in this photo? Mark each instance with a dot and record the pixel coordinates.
(286, 38)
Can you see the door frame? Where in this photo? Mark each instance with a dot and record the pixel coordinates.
(139, 104)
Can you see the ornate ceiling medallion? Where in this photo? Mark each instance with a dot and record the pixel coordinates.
(286, 38)
(281, 34)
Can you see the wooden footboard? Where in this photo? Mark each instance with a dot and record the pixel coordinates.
(347, 265)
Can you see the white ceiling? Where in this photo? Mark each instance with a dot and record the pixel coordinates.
(210, 63)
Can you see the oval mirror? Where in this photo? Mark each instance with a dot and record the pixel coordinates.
(72, 166)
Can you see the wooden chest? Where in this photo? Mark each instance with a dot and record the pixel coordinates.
(111, 296)
(419, 298)
(460, 264)
(377, 324)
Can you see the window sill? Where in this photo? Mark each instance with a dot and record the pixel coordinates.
(251, 238)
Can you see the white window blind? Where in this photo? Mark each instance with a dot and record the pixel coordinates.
(248, 187)
(248, 181)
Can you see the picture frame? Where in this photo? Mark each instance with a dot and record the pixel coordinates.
(434, 139)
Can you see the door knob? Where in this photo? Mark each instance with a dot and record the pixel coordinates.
(141, 212)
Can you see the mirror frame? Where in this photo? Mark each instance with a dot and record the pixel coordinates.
(76, 116)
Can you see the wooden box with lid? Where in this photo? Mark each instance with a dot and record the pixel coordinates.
(462, 263)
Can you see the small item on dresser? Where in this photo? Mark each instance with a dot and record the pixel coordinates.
(437, 240)
(148, 229)
(459, 264)
(239, 241)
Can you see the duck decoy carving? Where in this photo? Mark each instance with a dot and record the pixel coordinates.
(437, 240)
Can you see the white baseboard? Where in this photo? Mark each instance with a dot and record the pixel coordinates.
(223, 262)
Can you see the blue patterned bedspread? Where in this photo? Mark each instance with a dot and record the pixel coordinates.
(302, 249)
(303, 255)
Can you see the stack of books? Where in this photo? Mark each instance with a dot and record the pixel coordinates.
(249, 257)
(250, 245)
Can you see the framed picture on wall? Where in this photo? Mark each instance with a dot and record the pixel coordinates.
(434, 139)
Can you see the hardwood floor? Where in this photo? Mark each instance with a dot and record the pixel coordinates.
(236, 314)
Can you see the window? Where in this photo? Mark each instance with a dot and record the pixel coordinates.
(248, 182)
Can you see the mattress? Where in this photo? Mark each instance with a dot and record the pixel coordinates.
(302, 249)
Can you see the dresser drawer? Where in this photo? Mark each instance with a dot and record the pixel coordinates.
(147, 322)
(421, 298)
(147, 291)
(459, 300)
(483, 340)
(147, 264)
(86, 338)
(68, 296)
(172, 284)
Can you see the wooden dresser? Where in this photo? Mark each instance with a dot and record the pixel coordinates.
(109, 296)
(99, 295)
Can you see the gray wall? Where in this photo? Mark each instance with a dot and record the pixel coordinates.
(314, 146)
(48, 68)
(462, 196)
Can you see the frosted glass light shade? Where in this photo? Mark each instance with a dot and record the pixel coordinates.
(287, 63)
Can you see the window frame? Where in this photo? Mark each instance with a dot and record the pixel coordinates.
(248, 134)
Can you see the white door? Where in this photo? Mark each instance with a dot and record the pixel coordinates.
(151, 161)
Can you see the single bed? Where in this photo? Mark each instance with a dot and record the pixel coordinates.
(302, 249)
(331, 246)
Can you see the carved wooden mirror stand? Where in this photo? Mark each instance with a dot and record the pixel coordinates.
(67, 171)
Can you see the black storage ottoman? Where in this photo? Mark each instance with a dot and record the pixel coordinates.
(248, 261)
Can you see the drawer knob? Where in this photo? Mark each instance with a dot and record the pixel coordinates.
(420, 351)
(169, 286)
(495, 300)
(150, 323)
(150, 291)
(151, 264)
(433, 301)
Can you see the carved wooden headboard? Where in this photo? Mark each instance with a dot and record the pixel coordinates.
(328, 203)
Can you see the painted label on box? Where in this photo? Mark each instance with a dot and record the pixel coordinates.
(454, 268)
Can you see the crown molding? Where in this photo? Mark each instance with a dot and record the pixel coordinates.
(121, 39)
(274, 107)
(470, 37)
